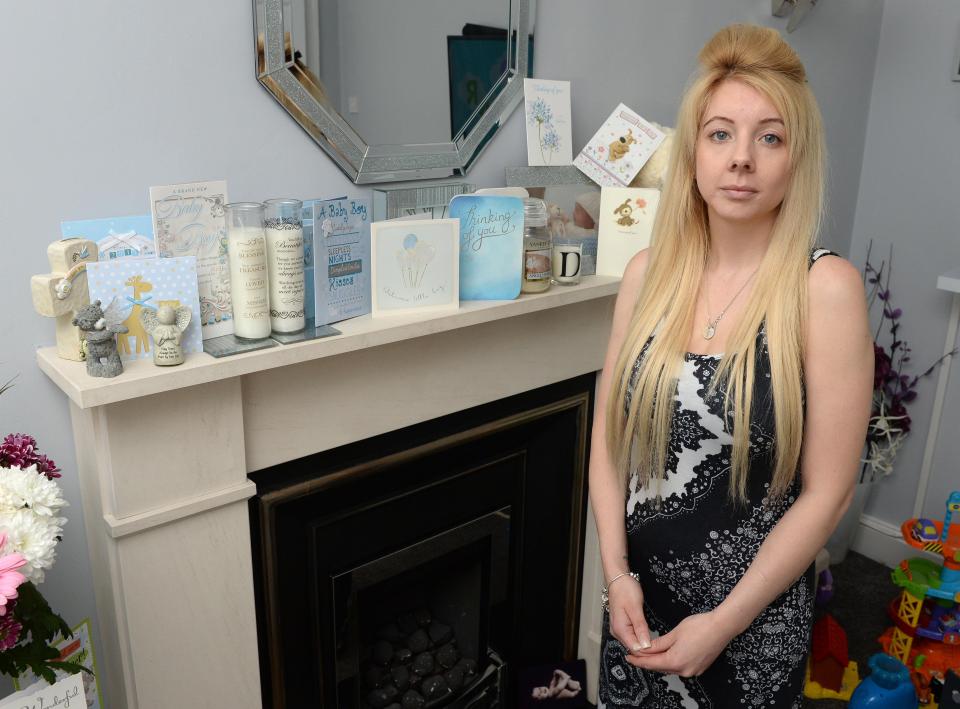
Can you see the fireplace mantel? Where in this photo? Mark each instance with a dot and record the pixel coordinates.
(163, 457)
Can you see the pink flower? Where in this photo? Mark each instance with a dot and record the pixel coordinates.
(9, 632)
(20, 450)
(10, 578)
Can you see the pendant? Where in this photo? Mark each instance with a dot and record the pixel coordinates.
(709, 332)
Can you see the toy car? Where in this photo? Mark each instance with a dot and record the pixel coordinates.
(923, 530)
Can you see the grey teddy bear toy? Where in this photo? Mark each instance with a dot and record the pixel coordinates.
(100, 329)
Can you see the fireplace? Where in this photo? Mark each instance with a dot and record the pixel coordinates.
(436, 559)
(177, 523)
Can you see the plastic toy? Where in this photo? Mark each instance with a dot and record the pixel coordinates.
(824, 587)
(926, 615)
(887, 687)
(830, 672)
(948, 691)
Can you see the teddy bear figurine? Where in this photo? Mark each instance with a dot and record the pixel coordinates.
(99, 329)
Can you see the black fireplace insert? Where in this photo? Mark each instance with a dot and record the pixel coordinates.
(425, 566)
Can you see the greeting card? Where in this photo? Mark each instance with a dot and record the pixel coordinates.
(547, 107)
(617, 151)
(626, 223)
(79, 649)
(147, 283)
(414, 266)
(116, 237)
(306, 215)
(188, 220)
(491, 246)
(341, 248)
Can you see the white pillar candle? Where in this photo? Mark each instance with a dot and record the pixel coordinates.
(249, 288)
(285, 274)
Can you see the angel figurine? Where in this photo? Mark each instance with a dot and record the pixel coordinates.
(166, 325)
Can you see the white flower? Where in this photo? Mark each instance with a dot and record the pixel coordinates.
(35, 537)
(28, 488)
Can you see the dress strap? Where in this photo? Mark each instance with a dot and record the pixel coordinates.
(818, 252)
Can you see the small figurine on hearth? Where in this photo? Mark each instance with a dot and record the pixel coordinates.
(99, 329)
(166, 326)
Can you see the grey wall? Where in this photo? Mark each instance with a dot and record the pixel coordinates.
(121, 96)
(908, 199)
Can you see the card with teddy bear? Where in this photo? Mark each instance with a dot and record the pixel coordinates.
(626, 223)
(617, 152)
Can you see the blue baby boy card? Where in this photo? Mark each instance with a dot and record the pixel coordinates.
(341, 252)
(491, 246)
(147, 283)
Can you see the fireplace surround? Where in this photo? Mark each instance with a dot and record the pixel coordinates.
(165, 458)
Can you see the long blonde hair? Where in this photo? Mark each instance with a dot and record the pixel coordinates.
(638, 430)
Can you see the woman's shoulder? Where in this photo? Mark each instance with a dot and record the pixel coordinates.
(830, 270)
(636, 267)
(834, 286)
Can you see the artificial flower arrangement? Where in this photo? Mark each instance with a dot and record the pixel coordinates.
(893, 389)
(30, 527)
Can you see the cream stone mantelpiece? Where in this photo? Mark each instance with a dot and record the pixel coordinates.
(164, 453)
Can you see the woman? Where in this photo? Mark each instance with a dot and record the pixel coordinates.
(735, 398)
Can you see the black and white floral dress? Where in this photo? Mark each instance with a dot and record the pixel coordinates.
(692, 548)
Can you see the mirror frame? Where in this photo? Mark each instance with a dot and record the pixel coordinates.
(295, 88)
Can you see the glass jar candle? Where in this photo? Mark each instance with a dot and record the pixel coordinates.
(283, 222)
(537, 267)
(247, 250)
(567, 256)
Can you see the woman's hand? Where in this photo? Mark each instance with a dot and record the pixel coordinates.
(687, 650)
(627, 623)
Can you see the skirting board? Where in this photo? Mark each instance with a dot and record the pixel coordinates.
(881, 541)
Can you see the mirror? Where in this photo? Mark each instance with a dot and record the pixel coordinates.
(402, 90)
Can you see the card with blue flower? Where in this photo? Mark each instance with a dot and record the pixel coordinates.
(547, 107)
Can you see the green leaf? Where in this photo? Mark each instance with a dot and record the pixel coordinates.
(41, 626)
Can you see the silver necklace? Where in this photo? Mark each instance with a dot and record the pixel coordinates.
(711, 329)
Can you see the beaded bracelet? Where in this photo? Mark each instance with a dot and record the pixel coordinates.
(605, 591)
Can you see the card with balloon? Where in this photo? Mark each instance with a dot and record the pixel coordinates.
(415, 266)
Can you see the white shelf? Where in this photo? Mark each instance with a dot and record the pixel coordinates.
(950, 281)
(143, 378)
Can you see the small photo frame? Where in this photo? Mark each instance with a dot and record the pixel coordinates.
(561, 685)
(415, 266)
(573, 205)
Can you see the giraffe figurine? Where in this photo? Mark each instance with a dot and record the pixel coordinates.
(137, 302)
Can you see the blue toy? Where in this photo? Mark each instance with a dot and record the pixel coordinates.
(887, 687)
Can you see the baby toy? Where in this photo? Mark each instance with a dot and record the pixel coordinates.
(926, 632)
(887, 687)
(831, 674)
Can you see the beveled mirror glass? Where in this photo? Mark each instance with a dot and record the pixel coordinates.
(399, 90)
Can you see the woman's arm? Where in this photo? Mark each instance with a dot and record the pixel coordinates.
(607, 490)
(838, 375)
